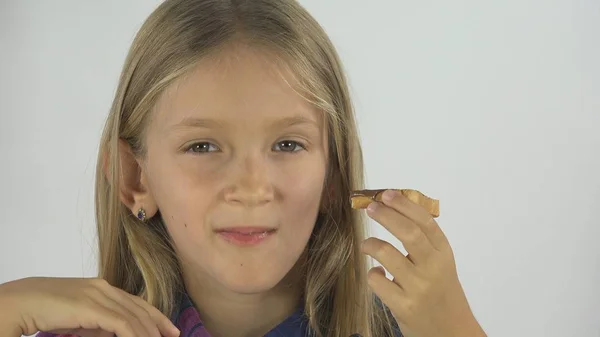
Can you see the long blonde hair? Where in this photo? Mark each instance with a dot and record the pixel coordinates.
(139, 258)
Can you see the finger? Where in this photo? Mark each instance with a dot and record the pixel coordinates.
(392, 259)
(388, 292)
(151, 318)
(98, 322)
(83, 332)
(419, 215)
(125, 299)
(125, 319)
(403, 228)
(379, 269)
(164, 324)
(99, 317)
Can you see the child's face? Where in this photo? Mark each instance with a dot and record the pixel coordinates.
(225, 150)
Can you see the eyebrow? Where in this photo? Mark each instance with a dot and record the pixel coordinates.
(194, 122)
(296, 120)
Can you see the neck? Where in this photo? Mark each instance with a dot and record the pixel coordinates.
(228, 314)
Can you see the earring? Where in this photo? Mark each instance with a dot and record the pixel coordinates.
(141, 214)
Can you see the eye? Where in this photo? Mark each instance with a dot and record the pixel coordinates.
(288, 146)
(202, 147)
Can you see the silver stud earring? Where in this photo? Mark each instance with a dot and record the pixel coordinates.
(141, 215)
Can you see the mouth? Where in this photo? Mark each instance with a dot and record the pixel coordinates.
(246, 236)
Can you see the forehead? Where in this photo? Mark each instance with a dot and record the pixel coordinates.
(238, 83)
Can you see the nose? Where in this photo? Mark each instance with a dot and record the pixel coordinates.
(251, 185)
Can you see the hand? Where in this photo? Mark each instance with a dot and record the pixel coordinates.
(85, 307)
(425, 295)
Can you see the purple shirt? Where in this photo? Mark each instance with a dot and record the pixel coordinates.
(187, 320)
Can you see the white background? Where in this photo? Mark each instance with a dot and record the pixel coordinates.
(494, 108)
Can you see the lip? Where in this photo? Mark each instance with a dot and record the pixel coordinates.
(246, 236)
(245, 229)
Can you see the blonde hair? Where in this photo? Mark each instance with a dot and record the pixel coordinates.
(139, 258)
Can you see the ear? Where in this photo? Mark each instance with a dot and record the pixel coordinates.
(134, 191)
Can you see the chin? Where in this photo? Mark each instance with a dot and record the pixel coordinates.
(243, 280)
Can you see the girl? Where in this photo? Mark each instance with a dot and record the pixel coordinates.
(222, 190)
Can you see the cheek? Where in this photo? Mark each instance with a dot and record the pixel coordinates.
(302, 195)
(183, 194)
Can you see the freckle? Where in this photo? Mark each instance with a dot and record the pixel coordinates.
(185, 225)
(241, 264)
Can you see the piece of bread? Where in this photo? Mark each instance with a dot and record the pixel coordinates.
(362, 199)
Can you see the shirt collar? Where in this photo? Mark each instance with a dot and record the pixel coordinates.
(187, 320)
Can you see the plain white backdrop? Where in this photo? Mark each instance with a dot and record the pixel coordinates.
(492, 107)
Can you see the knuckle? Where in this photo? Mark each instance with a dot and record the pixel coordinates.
(146, 307)
(99, 283)
(414, 235)
(436, 267)
(145, 315)
(92, 291)
(430, 223)
(422, 288)
(408, 307)
(384, 249)
(154, 331)
(124, 324)
(372, 278)
(141, 301)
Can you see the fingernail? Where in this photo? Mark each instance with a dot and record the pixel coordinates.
(388, 195)
(372, 207)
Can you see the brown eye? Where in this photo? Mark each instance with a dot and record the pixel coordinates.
(202, 147)
(288, 146)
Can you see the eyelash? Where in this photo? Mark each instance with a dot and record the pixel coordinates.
(191, 148)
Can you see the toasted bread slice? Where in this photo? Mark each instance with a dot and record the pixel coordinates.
(362, 199)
